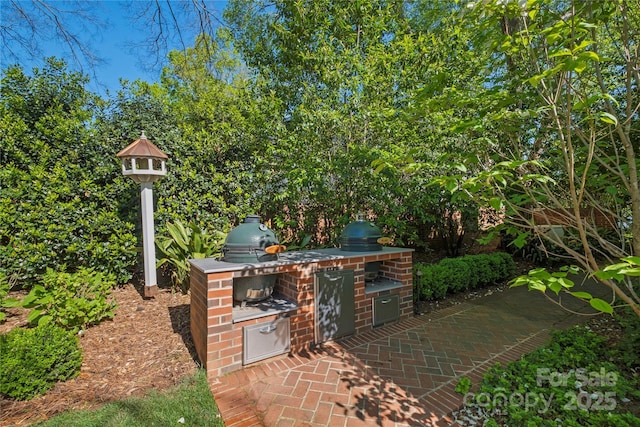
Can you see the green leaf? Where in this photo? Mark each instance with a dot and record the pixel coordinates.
(582, 295)
(562, 52)
(496, 203)
(601, 305)
(631, 271)
(615, 267)
(45, 320)
(11, 302)
(589, 55)
(536, 285)
(608, 118)
(555, 287)
(451, 185)
(462, 168)
(565, 283)
(34, 315)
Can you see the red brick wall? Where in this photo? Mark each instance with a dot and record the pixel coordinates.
(219, 341)
(566, 217)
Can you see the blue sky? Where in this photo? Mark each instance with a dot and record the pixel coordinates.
(112, 43)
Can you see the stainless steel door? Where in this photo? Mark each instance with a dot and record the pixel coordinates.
(335, 314)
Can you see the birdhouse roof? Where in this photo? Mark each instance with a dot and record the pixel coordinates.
(142, 148)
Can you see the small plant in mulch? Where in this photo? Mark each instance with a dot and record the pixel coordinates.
(71, 300)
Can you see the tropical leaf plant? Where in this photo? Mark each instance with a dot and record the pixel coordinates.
(183, 243)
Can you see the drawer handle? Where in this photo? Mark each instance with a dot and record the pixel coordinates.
(385, 301)
(268, 329)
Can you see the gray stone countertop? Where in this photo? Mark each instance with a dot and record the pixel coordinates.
(214, 265)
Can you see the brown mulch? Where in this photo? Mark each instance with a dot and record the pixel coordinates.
(146, 346)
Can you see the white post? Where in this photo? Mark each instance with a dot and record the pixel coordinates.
(150, 281)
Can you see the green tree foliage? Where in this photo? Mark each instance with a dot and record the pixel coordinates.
(563, 90)
(214, 179)
(337, 76)
(55, 205)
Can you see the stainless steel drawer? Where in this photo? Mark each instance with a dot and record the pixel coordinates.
(386, 308)
(265, 340)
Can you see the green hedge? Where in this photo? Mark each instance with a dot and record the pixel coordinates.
(451, 275)
(34, 360)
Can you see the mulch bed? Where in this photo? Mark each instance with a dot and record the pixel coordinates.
(146, 346)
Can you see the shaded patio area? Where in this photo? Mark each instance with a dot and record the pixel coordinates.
(400, 375)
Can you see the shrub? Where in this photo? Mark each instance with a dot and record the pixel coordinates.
(458, 274)
(49, 218)
(71, 300)
(4, 291)
(186, 243)
(430, 281)
(573, 373)
(502, 264)
(34, 360)
(481, 268)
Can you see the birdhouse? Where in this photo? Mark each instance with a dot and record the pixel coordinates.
(143, 161)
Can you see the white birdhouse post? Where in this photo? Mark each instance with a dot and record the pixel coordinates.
(145, 163)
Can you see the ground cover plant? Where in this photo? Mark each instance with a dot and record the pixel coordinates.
(578, 378)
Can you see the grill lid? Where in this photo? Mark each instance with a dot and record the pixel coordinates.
(360, 236)
(248, 241)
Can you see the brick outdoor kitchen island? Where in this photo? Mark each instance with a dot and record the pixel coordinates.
(319, 295)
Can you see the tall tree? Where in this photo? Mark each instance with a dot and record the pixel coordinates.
(569, 150)
(57, 209)
(342, 72)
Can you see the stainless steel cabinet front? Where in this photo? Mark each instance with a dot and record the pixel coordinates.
(265, 340)
(386, 308)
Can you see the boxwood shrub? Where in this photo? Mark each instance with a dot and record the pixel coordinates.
(34, 360)
(451, 275)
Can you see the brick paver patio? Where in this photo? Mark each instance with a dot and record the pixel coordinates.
(400, 375)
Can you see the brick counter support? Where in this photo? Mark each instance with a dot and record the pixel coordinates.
(219, 341)
(217, 344)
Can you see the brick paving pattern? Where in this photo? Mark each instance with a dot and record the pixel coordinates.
(401, 375)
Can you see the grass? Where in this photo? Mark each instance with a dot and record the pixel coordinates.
(192, 401)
